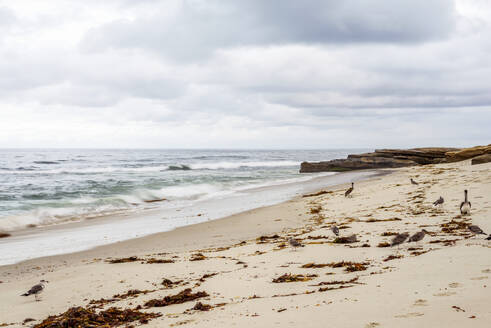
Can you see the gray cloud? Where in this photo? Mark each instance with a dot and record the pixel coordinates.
(184, 73)
(200, 27)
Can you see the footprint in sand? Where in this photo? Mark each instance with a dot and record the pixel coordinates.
(409, 315)
(420, 302)
(480, 278)
(454, 285)
(445, 294)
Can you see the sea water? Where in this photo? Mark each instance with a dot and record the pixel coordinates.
(152, 190)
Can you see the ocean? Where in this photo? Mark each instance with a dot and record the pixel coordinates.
(164, 189)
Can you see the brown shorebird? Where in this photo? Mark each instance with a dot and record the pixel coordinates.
(414, 182)
(335, 230)
(350, 190)
(36, 290)
(399, 239)
(294, 243)
(465, 206)
(439, 201)
(476, 230)
(351, 239)
(417, 236)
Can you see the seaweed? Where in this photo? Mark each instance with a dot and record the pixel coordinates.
(197, 257)
(265, 238)
(325, 289)
(313, 265)
(207, 275)
(457, 308)
(125, 260)
(322, 192)
(315, 210)
(4, 235)
(447, 242)
(350, 266)
(383, 244)
(183, 296)
(154, 261)
(81, 317)
(345, 240)
(171, 284)
(417, 253)
(288, 277)
(317, 237)
(202, 307)
(389, 233)
(372, 220)
(392, 257)
(337, 282)
(132, 293)
(307, 292)
(454, 226)
(281, 246)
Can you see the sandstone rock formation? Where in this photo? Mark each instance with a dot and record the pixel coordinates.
(486, 158)
(466, 153)
(392, 158)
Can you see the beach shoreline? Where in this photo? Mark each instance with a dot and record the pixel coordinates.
(242, 254)
(199, 214)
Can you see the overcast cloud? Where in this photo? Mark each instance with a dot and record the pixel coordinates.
(245, 74)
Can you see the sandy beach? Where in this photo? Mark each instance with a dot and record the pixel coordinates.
(242, 272)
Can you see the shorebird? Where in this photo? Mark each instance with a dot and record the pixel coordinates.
(439, 201)
(294, 243)
(36, 290)
(399, 239)
(465, 206)
(476, 230)
(417, 236)
(350, 190)
(335, 230)
(414, 182)
(351, 239)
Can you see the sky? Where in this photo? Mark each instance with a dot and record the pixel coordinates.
(244, 73)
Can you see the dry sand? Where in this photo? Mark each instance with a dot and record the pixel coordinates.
(432, 284)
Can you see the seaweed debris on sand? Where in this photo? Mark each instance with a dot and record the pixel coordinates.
(80, 317)
(182, 297)
(288, 277)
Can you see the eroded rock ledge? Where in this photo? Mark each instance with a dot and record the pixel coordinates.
(392, 158)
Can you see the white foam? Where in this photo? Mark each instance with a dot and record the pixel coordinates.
(44, 216)
(236, 165)
(114, 169)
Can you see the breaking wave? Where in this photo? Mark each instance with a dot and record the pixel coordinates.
(173, 167)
